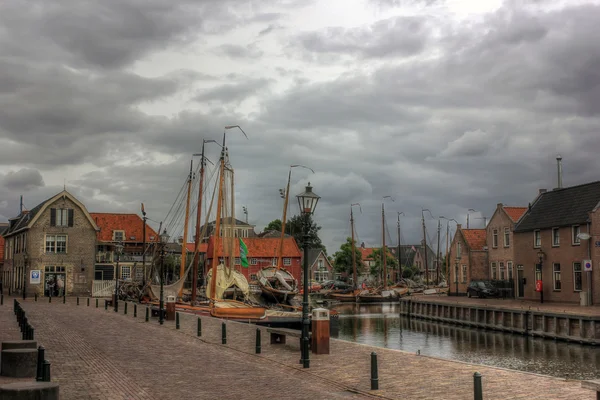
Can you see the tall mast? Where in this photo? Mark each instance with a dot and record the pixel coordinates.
(144, 245)
(383, 250)
(447, 253)
(285, 207)
(217, 233)
(196, 260)
(425, 247)
(437, 254)
(353, 250)
(399, 250)
(185, 228)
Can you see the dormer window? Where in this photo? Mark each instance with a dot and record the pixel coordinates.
(61, 217)
(118, 236)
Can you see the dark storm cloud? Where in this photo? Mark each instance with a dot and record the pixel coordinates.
(24, 179)
(237, 51)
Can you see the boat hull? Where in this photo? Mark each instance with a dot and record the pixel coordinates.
(267, 279)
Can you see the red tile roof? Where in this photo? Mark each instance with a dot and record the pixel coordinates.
(475, 238)
(191, 247)
(132, 224)
(367, 252)
(260, 247)
(515, 213)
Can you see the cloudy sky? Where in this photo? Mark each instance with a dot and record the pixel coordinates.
(442, 104)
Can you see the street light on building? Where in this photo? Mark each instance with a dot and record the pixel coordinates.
(308, 203)
(25, 262)
(164, 238)
(118, 250)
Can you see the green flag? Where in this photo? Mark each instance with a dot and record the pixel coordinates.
(243, 254)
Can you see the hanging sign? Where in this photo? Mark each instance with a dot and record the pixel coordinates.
(35, 277)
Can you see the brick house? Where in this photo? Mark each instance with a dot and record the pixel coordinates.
(57, 238)
(242, 229)
(319, 266)
(4, 274)
(127, 229)
(549, 236)
(500, 241)
(262, 252)
(468, 258)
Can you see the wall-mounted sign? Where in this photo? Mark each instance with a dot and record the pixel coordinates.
(35, 277)
(587, 265)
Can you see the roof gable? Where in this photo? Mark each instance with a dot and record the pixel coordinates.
(475, 238)
(131, 224)
(515, 213)
(561, 207)
(259, 247)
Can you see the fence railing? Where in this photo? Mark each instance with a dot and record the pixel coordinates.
(103, 288)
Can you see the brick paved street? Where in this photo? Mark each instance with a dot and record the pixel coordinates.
(98, 354)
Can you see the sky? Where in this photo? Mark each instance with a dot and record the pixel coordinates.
(445, 105)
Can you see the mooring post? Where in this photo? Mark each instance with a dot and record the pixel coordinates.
(46, 374)
(88, 301)
(40, 364)
(35, 296)
(135, 311)
(176, 320)
(31, 332)
(65, 299)
(374, 374)
(199, 327)
(223, 333)
(258, 349)
(96, 303)
(125, 309)
(477, 386)
(147, 314)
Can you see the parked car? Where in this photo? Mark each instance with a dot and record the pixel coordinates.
(482, 289)
(335, 285)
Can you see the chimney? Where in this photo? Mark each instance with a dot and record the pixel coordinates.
(540, 191)
(499, 206)
(458, 226)
(362, 245)
(559, 167)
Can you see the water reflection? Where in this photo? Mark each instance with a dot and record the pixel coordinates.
(380, 325)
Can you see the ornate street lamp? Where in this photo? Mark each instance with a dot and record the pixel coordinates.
(119, 249)
(25, 261)
(307, 202)
(540, 255)
(164, 239)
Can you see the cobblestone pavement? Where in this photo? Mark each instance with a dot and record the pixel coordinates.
(98, 354)
(512, 303)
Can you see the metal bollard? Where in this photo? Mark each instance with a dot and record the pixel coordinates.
(65, 298)
(374, 374)
(257, 351)
(49, 299)
(96, 303)
(223, 333)
(88, 301)
(176, 320)
(40, 364)
(31, 332)
(477, 386)
(77, 300)
(125, 309)
(46, 373)
(134, 310)
(106, 304)
(147, 314)
(2, 299)
(199, 329)
(35, 296)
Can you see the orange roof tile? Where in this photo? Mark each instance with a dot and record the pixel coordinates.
(259, 247)
(475, 238)
(515, 213)
(132, 224)
(367, 252)
(191, 247)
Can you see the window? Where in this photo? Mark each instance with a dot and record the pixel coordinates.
(509, 268)
(254, 261)
(506, 237)
(287, 261)
(577, 282)
(502, 276)
(495, 238)
(61, 243)
(237, 261)
(125, 272)
(118, 236)
(320, 263)
(274, 261)
(61, 217)
(458, 249)
(556, 276)
(537, 238)
(494, 276)
(253, 277)
(575, 229)
(555, 237)
(464, 273)
(456, 273)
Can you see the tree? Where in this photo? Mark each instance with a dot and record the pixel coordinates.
(377, 267)
(295, 228)
(274, 225)
(342, 259)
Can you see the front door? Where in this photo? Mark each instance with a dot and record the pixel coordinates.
(520, 283)
(54, 284)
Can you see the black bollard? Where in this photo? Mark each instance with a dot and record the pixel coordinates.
(176, 320)
(49, 299)
(31, 332)
(125, 309)
(223, 333)
(65, 299)
(374, 374)
(96, 303)
(77, 300)
(2, 299)
(88, 301)
(106, 304)
(257, 341)
(46, 373)
(147, 314)
(134, 310)
(477, 386)
(199, 329)
(35, 296)
(40, 364)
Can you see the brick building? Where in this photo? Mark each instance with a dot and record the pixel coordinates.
(262, 252)
(4, 274)
(500, 242)
(56, 238)
(551, 245)
(468, 258)
(319, 266)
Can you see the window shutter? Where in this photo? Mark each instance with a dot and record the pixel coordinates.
(70, 217)
(53, 217)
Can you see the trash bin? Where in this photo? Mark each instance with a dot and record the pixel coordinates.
(320, 331)
(170, 308)
(583, 298)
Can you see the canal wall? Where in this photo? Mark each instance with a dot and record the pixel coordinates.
(582, 329)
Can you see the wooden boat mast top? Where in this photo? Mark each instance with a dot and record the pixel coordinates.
(185, 227)
(383, 248)
(354, 275)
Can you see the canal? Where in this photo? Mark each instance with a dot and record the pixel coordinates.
(381, 325)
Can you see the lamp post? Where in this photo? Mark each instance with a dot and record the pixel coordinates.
(164, 238)
(119, 249)
(25, 261)
(470, 210)
(307, 202)
(456, 273)
(540, 255)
